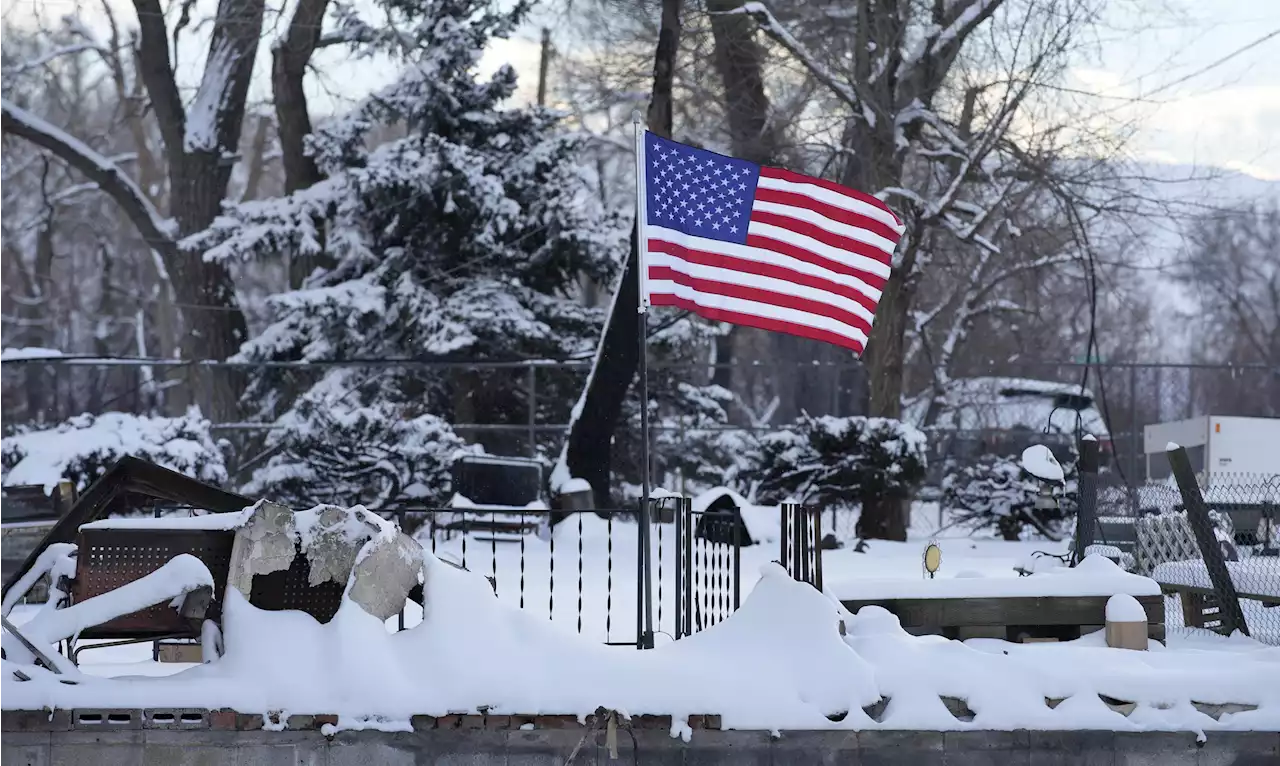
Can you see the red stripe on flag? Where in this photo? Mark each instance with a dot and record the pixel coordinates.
(798, 178)
(848, 217)
(760, 295)
(720, 261)
(808, 256)
(814, 231)
(758, 322)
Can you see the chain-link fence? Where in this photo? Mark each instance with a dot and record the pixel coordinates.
(522, 407)
(1245, 513)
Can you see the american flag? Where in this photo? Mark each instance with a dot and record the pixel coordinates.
(737, 242)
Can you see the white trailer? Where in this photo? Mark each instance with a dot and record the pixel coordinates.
(1221, 447)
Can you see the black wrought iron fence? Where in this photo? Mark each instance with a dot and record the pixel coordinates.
(708, 567)
(582, 573)
(801, 540)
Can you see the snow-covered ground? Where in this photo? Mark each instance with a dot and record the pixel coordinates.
(608, 575)
(777, 663)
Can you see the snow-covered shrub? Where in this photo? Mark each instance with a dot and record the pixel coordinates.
(834, 461)
(995, 493)
(469, 238)
(83, 447)
(337, 453)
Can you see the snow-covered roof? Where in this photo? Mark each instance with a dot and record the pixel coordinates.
(1000, 403)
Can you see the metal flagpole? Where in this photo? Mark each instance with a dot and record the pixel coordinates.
(645, 618)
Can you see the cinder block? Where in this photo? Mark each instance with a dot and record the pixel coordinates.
(24, 754)
(729, 748)
(886, 747)
(363, 752)
(829, 748)
(1072, 748)
(35, 720)
(192, 719)
(96, 719)
(188, 755)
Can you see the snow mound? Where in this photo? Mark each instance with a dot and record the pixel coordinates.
(1093, 576)
(1124, 608)
(779, 662)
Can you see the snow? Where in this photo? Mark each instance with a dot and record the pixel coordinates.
(1095, 576)
(1005, 404)
(763, 522)
(181, 574)
(202, 117)
(28, 352)
(208, 521)
(1171, 446)
(785, 632)
(1039, 461)
(84, 446)
(778, 663)
(1125, 608)
(45, 563)
(1259, 576)
(574, 486)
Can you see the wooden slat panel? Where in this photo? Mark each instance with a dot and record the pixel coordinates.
(1048, 610)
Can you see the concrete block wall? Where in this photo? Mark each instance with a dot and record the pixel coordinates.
(650, 747)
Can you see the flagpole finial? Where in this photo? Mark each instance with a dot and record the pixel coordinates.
(635, 116)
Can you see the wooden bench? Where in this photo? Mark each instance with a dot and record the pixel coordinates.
(1200, 607)
(1019, 619)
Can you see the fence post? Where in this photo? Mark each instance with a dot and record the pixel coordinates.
(532, 394)
(1198, 518)
(1087, 486)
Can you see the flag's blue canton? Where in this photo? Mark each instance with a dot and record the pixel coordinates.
(698, 192)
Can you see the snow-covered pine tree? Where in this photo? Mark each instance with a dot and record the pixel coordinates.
(465, 239)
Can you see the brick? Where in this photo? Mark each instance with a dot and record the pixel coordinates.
(708, 722)
(249, 722)
(557, 722)
(661, 722)
(325, 718)
(471, 722)
(106, 719)
(222, 720)
(301, 722)
(422, 722)
(497, 722)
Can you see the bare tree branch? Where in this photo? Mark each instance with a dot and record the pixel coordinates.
(111, 179)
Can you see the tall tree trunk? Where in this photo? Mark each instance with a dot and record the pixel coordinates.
(739, 61)
(589, 450)
(200, 148)
(872, 165)
(289, 59)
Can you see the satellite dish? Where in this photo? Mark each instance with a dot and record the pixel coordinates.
(1038, 460)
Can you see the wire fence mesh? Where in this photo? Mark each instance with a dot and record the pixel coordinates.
(1244, 510)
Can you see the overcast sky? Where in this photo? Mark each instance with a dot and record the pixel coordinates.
(1227, 116)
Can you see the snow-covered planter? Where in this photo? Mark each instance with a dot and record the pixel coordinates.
(835, 461)
(83, 447)
(995, 493)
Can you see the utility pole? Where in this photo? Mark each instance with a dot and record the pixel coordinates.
(543, 62)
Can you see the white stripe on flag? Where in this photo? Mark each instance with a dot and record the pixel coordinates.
(761, 255)
(835, 254)
(822, 194)
(838, 228)
(766, 310)
(746, 279)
